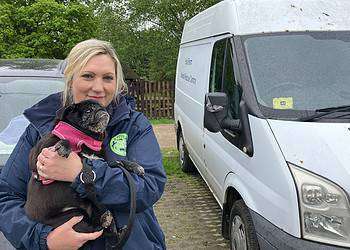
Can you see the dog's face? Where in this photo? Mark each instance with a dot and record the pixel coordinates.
(88, 115)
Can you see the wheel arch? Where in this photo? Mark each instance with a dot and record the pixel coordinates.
(231, 195)
(234, 191)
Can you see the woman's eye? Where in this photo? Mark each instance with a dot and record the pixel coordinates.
(87, 76)
(108, 78)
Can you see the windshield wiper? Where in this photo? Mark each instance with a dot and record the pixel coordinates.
(326, 111)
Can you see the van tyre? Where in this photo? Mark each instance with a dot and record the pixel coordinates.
(242, 231)
(186, 163)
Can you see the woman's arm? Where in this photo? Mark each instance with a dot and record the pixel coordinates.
(15, 225)
(111, 186)
(22, 232)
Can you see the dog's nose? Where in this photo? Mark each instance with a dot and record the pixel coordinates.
(103, 115)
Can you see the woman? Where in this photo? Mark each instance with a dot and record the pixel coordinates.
(93, 72)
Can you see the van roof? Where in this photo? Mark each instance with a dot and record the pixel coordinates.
(243, 17)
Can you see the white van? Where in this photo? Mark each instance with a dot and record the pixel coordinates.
(262, 110)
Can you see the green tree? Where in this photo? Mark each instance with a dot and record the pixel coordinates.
(7, 29)
(43, 29)
(147, 33)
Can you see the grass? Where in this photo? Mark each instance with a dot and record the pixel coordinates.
(172, 164)
(162, 121)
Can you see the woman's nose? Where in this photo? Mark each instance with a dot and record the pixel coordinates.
(97, 85)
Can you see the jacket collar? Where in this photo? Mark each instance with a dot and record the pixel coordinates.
(43, 113)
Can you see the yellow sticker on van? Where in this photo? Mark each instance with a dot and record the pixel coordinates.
(283, 103)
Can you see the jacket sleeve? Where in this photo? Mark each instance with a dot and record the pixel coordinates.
(22, 232)
(112, 187)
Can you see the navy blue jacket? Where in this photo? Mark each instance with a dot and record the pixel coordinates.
(130, 136)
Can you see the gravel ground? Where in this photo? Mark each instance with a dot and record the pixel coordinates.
(187, 212)
(165, 134)
(189, 215)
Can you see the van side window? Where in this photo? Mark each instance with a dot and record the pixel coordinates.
(230, 84)
(217, 66)
(222, 77)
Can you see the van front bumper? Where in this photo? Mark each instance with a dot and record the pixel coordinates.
(272, 237)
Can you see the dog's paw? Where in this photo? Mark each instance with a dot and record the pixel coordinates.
(134, 167)
(106, 219)
(139, 170)
(63, 148)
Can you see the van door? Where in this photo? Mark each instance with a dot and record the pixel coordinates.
(191, 86)
(224, 77)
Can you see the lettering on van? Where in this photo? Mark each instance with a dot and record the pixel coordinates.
(188, 78)
(188, 61)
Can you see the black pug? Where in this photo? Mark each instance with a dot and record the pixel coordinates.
(81, 127)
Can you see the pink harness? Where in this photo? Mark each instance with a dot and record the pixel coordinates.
(76, 139)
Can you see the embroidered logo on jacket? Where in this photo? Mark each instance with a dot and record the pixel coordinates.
(118, 144)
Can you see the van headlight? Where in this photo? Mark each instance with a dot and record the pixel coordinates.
(324, 208)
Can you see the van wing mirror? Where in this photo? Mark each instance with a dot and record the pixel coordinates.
(216, 119)
(215, 111)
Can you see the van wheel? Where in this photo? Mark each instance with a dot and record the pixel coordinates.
(186, 163)
(242, 231)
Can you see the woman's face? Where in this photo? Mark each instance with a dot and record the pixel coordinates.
(97, 81)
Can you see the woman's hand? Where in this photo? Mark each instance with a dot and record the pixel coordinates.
(65, 238)
(52, 166)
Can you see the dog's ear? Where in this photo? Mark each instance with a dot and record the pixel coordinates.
(68, 110)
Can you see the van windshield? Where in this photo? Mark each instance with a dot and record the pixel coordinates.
(300, 71)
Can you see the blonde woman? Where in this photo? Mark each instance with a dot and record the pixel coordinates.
(93, 71)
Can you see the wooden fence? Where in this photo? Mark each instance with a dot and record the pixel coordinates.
(154, 99)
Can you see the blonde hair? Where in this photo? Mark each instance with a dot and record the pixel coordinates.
(80, 55)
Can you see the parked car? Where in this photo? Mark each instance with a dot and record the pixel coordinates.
(23, 82)
(262, 112)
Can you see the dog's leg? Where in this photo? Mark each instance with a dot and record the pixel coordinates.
(131, 166)
(62, 147)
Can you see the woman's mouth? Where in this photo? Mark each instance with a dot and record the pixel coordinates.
(96, 97)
